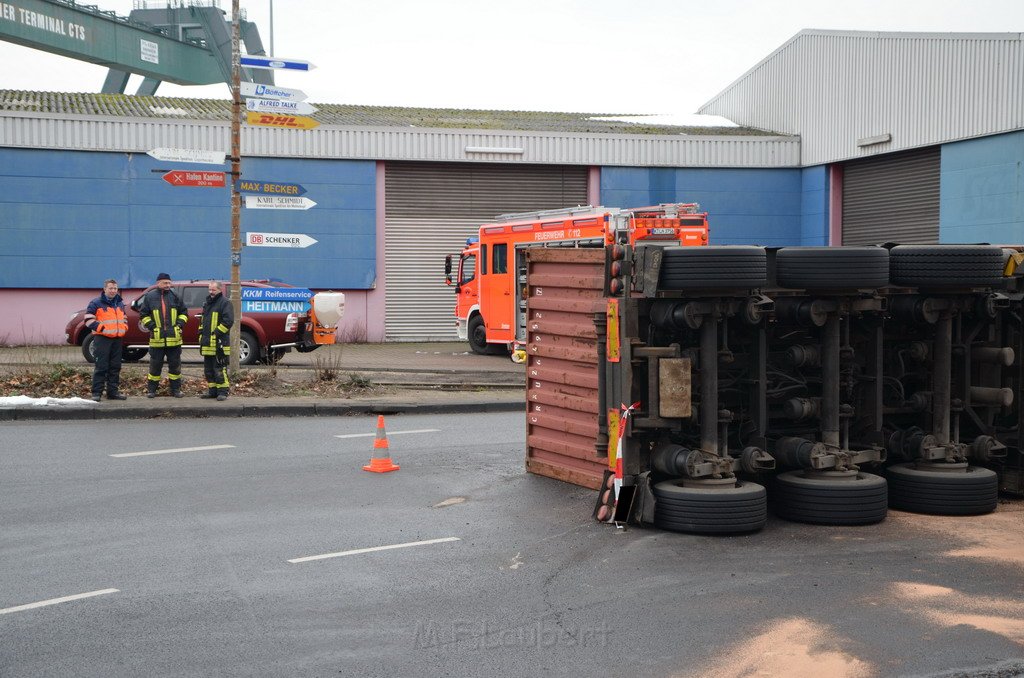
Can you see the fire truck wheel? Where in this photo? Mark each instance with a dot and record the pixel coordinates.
(478, 338)
(944, 266)
(860, 500)
(248, 349)
(725, 267)
(718, 510)
(943, 493)
(829, 268)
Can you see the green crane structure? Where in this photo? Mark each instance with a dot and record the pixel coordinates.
(179, 41)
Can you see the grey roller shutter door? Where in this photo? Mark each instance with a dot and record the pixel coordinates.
(431, 208)
(892, 198)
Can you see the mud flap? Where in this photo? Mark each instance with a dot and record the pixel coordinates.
(643, 501)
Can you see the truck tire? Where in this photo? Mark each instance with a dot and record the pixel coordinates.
(943, 493)
(697, 510)
(944, 266)
(88, 348)
(829, 268)
(738, 267)
(478, 338)
(248, 349)
(822, 501)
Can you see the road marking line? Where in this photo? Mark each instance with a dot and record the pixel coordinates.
(390, 433)
(172, 451)
(55, 601)
(370, 550)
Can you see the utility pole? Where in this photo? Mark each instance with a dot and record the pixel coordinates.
(236, 198)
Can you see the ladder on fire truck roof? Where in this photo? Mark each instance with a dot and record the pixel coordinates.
(667, 210)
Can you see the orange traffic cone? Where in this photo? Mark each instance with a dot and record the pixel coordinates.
(380, 461)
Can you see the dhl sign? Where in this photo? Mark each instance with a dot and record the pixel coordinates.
(278, 120)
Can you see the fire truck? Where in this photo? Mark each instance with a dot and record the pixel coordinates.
(490, 278)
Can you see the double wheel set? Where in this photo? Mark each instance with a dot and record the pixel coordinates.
(840, 498)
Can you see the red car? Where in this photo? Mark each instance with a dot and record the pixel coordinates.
(265, 336)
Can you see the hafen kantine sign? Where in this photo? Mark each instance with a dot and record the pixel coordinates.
(187, 178)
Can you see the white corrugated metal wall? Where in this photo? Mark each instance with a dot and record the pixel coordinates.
(139, 135)
(431, 208)
(834, 88)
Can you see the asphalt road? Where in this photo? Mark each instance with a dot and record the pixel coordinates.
(187, 554)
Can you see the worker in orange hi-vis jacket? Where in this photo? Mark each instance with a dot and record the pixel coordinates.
(106, 318)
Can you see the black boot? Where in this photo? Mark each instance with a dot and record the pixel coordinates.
(116, 395)
(211, 393)
(222, 394)
(151, 388)
(96, 397)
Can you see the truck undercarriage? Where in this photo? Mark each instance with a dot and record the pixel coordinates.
(829, 384)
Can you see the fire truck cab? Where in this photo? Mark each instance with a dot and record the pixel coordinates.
(490, 277)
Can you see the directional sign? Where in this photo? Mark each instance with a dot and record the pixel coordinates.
(186, 178)
(279, 240)
(274, 63)
(269, 187)
(187, 155)
(252, 89)
(278, 106)
(277, 202)
(284, 121)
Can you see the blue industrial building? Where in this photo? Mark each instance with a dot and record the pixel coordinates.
(397, 189)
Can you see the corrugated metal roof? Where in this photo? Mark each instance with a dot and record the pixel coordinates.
(851, 94)
(130, 106)
(125, 123)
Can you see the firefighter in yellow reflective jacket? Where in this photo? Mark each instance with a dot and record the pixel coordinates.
(163, 315)
(214, 343)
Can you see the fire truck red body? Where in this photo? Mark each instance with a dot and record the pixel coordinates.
(489, 281)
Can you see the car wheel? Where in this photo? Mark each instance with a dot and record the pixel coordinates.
(971, 491)
(944, 266)
(248, 349)
(88, 350)
(714, 510)
(829, 268)
(859, 500)
(133, 355)
(721, 267)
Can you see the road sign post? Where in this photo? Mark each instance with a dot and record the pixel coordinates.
(236, 197)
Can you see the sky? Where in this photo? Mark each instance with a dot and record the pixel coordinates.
(653, 57)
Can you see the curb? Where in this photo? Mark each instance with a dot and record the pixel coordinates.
(269, 410)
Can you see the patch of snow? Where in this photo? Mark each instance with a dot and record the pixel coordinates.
(18, 401)
(164, 110)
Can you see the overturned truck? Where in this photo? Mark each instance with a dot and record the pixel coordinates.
(694, 388)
